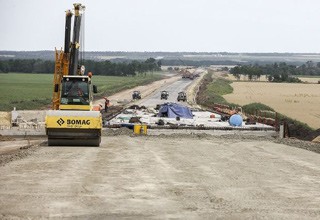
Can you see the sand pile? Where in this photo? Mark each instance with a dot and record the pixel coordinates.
(5, 119)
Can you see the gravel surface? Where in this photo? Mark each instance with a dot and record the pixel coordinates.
(16, 149)
(307, 145)
(163, 177)
(238, 136)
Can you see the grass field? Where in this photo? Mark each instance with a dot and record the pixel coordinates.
(34, 91)
(297, 101)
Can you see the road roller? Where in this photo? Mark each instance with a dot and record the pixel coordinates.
(73, 119)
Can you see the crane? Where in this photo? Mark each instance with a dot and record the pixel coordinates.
(73, 119)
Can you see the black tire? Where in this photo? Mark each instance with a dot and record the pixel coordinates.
(93, 142)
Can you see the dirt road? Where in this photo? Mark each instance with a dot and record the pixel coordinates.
(164, 177)
(125, 96)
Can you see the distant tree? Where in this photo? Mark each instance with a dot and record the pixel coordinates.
(97, 67)
(309, 64)
(225, 68)
(277, 72)
(4, 67)
(38, 67)
(236, 72)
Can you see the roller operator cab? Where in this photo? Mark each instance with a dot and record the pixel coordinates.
(76, 93)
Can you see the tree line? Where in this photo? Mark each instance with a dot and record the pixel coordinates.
(277, 72)
(98, 68)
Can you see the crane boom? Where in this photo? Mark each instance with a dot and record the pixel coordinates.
(75, 45)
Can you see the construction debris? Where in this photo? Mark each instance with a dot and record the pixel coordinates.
(173, 115)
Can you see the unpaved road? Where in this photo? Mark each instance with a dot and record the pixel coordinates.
(125, 96)
(173, 89)
(164, 177)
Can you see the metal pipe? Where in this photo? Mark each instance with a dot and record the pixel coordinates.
(67, 35)
(75, 45)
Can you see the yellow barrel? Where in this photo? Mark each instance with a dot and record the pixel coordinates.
(140, 129)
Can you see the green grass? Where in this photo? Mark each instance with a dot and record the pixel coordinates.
(25, 91)
(108, 85)
(253, 107)
(215, 89)
(34, 91)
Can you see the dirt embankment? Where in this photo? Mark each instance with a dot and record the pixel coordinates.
(12, 149)
(294, 128)
(16, 155)
(6, 138)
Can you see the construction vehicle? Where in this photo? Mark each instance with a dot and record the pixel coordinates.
(136, 95)
(187, 74)
(164, 95)
(182, 96)
(72, 120)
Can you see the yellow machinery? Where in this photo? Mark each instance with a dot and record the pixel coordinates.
(72, 120)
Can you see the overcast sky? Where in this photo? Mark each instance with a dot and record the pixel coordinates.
(166, 25)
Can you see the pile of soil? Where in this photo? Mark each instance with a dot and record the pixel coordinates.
(16, 155)
(6, 138)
